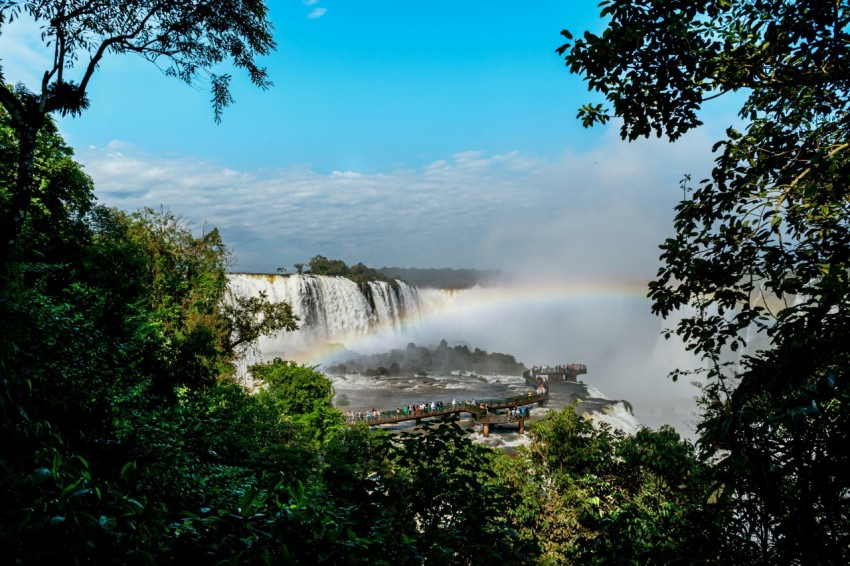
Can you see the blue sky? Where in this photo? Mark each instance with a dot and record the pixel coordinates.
(367, 86)
(427, 134)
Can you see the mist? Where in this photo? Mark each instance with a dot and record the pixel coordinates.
(605, 324)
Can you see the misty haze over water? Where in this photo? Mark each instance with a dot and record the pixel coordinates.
(606, 325)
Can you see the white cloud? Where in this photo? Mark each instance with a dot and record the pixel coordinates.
(310, 2)
(596, 212)
(317, 13)
(346, 174)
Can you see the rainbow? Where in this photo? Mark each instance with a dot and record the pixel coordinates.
(451, 308)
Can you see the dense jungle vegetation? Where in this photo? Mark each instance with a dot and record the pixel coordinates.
(126, 437)
(760, 248)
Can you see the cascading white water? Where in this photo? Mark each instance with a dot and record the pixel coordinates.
(332, 310)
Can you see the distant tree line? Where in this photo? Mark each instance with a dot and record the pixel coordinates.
(359, 272)
(440, 359)
(444, 278)
(435, 278)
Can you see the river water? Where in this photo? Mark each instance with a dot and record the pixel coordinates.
(358, 392)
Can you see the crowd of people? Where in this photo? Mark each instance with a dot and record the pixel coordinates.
(542, 371)
(435, 408)
(520, 412)
(415, 410)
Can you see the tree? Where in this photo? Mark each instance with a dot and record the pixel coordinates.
(205, 325)
(298, 394)
(762, 247)
(440, 501)
(63, 195)
(592, 496)
(320, 265)
(187, 40)
(248, 318)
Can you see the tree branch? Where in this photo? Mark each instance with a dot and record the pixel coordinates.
(804, 173)
(95, 60)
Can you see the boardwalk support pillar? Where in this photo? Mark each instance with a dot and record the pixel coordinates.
(486, 430)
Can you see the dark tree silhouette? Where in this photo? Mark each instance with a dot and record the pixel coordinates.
(186, 40)
(761, 247)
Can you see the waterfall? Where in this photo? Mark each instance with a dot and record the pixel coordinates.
(332, 311)
(613, 332)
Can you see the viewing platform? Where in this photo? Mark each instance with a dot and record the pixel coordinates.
(482, 411)
(568, 372)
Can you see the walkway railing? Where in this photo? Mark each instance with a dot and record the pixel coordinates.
(478, 408)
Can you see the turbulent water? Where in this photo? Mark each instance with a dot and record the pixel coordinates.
(332, 311)
(337, 316)
(357, 392)
(361, 392)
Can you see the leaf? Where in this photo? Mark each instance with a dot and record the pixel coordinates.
(127, 469)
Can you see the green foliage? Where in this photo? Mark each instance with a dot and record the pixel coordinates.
(297, 393)
(204, 326)
(557, 478)
(66, 346)
(762, 247)
(185, 285)
(441, 501)
(68, 372)
(289, 523)
(352, 457)
(589, 496)
(186, 273)
(248, 318)
(320, 265)
(61, 199)
(112, 340)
